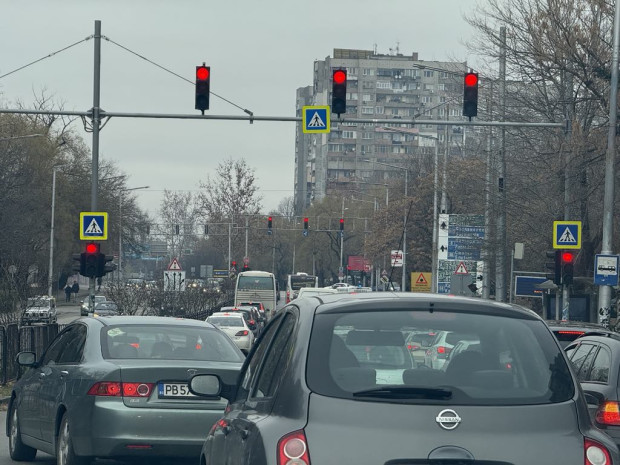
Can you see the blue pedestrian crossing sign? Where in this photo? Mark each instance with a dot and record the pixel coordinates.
(93, 226)
(315, 119)
(567, 234)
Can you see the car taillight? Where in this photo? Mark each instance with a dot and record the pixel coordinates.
(595, 453)
(293, 449)
(242, 333)
(574, 333)
(252, 322)
(413, 347)
(116, 389)
(608, 414)
(288, 297)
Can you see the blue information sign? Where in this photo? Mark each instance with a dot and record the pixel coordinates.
(526, 286)
(606, 270)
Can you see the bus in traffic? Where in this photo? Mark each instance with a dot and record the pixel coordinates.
(296, 281)
(257, 286)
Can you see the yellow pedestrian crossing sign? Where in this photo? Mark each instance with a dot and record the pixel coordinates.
(567, 234)
(315, 119)
(93, 226)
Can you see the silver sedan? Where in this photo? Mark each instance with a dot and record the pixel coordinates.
(117, 387)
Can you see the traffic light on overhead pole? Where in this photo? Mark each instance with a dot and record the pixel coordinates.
(339, 91)
(555, 266)
(470, 95)
(568, 266)
(306, 224)
(342, 224)
(269, 225)
(91, 260)
(203, 84)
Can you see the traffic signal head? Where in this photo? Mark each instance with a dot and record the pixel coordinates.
(555, 266)
(269, 225)
(342, 224)
(233, 265)
(339, 91)
(203, 84)
(104, 266)
(91, 260)
(470, 95)
(568, 262)
(77, 267)
(306, 223)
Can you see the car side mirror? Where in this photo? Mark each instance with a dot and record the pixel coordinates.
(26, 359)
(205, 385)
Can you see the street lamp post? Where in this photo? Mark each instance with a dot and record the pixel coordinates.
(403, 286)
(51, 263)
(120, 228)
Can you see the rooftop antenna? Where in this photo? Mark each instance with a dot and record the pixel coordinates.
(374, 48)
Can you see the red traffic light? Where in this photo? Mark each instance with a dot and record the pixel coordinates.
(568, 257)
(92, 248)
(202, 73)
(339, 76)
(471, 79)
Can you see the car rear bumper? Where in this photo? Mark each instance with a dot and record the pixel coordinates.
(115, 430)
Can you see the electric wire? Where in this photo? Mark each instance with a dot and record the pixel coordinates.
(47, 56)
(175, 74)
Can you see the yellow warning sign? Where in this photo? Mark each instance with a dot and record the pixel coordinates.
(421, 281)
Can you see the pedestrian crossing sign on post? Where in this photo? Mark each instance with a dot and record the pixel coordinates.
(315, 119)
(567, 234)
(94, 226)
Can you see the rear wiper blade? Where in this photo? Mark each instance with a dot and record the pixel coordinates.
(405, 392)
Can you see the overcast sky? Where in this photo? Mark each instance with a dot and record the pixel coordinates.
(260, 52)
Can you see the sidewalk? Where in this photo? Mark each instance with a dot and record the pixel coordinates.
(75, 299)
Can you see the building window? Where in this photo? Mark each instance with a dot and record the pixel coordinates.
(368, 72)
(366, 97)
(368, 110)
(384, 85)
(411, 73)
(352, 96)
(378, 110)
(352, 71)
(444, 75)
(428, 73)
(427, 99)
(430, 87)
(349, 134)
(441, 86)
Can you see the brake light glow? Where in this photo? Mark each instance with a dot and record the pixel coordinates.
(117, 389)
(595, 453)
(293, 449)
(413, 346)
(578, 333)
(242, 333)
(608, 414)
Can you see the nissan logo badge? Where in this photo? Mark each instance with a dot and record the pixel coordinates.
(448, 419)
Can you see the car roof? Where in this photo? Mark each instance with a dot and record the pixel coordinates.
(329, 303)
(226, 314)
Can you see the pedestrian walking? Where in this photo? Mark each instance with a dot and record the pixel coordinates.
(68, 291)
(75, 289)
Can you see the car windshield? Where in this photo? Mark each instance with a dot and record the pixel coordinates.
(33, 302)
(166, 341)
(106, 306)
(500, 361)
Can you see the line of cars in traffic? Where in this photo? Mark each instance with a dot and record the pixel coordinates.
(327, 379)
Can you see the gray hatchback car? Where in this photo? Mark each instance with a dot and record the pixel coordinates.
(331, 381)
(116, 387)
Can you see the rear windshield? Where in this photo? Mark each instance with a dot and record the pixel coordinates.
(500, 361)
(227, 321)
(167, 342)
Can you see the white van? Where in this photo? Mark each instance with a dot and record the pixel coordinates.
(312, 291)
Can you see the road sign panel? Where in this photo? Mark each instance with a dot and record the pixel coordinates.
(174, 265)
(567, 234)
(421, 281)
(606, 270)
(315, 119)
(93, 226)
(174, 281)
(527, 286)
(461, 269)
(397, 258)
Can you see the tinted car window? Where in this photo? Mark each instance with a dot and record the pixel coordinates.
(72, 352)
(600, 367)
(277, 359)
(251, 367)
(55, 349)
(516, 361)
(580, 360)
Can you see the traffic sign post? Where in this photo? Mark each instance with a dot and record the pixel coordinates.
(315, 119)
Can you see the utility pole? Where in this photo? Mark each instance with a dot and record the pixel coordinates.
(500, 257)
(604, 293)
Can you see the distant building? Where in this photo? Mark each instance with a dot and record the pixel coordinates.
(378, 86)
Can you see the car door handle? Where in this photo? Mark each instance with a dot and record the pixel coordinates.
(63, 373)
(42, 375)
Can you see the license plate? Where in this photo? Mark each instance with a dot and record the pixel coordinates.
(172, 390)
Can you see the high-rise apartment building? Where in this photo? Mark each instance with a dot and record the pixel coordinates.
(379, 86)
